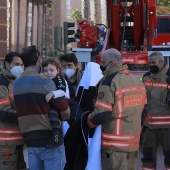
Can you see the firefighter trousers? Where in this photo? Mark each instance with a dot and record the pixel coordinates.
(153, 138)
(12, 158)
(113, 160)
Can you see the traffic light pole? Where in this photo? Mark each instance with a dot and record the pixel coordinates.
(65, 49)
(67, 33)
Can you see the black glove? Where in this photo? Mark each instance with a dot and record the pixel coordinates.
(56, 140)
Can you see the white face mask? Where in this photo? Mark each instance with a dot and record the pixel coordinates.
(69, 72)
(16, 71)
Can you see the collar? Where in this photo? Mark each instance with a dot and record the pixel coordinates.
(29, 73)
(160, 73)
(7, 74)
(115, 69)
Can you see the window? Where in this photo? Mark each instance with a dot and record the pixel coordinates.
(68, 13)
(68, 2)
(30, 10)
(29, 29)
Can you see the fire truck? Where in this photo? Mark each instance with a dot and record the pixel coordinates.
(134, 28)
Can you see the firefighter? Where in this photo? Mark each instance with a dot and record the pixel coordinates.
(157, 122)
(121, 99)
(11, 140)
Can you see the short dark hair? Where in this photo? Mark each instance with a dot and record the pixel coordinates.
(30, 55)
(158, 54)
(9, 56)
(71, 57)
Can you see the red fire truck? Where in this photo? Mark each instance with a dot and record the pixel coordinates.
(134, 28)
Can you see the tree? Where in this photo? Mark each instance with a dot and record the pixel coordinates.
(10, 27)
(97, 5)
(76, 15)
(87, 9)
(26, 23)
(32, 30)
(18, 25)
(46, 4)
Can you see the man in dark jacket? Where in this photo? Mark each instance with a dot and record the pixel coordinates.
(72, 73)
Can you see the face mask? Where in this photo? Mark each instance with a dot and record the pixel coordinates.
(16, 71)
(104, 68)
(154, 69)
(69, 72)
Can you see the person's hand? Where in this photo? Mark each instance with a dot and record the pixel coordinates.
(49, 96)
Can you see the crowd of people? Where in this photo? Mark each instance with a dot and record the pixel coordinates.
(38, 97)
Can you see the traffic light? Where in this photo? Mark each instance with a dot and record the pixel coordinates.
(67, 32)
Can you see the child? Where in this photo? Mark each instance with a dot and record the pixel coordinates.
(52, 69)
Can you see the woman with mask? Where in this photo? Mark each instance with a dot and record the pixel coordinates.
(72, 73)
(11, 151)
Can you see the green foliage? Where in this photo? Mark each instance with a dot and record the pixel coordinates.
(91, 22)
(76, 15)
(163, 7)
(47, 3)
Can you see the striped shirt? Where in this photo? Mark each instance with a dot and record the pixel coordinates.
(32, 109)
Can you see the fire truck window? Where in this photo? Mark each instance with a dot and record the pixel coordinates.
(163, 25)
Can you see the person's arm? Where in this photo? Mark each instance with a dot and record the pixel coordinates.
(54, 94)
(145, 107)
(103, 107)
(7, 114)
(60, 103)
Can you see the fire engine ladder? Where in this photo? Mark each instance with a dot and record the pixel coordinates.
(127, 34)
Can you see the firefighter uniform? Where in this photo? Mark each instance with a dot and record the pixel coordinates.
(121, 99)
(157, 122)
(11, 140)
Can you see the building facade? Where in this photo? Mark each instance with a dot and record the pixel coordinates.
(3, 28)
(23, 24)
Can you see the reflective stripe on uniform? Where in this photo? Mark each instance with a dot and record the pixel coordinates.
(4, 102)
(120, 104)
(120, 141)
(9, 135)
(104, 105)
(90, 122)
(11, 131)
(161, 85)
(11, 96)
(130, 89)
(148, 168)
(160, 120)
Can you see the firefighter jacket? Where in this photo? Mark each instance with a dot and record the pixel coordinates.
(119, 105)
(9, 129)
(158, 96)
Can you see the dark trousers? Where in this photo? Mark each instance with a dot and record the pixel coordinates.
(153, 137)
(112, 160)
